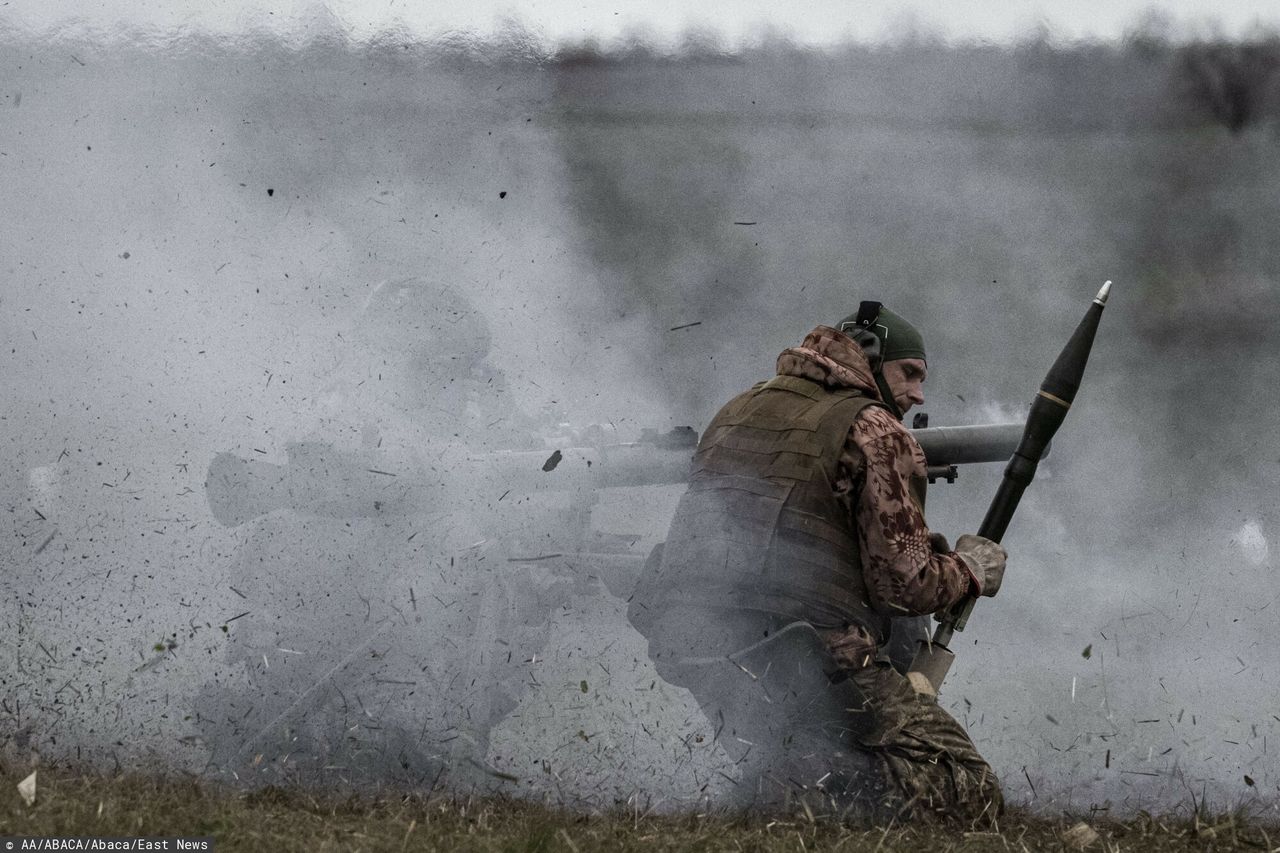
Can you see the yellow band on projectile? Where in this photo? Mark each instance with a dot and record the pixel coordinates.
(1063, 403)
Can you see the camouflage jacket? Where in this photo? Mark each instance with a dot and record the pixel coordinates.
(904, 575)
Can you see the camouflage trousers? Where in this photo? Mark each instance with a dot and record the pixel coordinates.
(929, 765)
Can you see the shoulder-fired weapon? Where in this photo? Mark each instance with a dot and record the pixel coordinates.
(322, 480)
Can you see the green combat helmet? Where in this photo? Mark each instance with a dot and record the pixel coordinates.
(883, 336)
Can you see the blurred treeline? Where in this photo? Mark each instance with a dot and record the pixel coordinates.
(1150, 78)
(1143, 83)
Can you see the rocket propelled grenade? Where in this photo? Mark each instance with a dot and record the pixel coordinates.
(1048, 409)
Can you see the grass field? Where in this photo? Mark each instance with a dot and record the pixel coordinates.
(85, 804)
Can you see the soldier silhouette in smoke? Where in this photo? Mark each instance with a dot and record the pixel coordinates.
(386, 627)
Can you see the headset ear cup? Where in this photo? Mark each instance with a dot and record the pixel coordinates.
(870, 346)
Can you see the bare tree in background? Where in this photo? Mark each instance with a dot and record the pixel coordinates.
(1232, 80)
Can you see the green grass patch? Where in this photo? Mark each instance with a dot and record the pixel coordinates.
(90, 804)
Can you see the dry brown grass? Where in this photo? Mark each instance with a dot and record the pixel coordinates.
(78, 803)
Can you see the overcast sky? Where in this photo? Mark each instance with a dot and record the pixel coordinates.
(812, 21)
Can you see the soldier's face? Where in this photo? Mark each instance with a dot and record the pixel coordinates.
(905, 376)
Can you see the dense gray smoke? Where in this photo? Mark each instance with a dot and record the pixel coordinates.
(315, 355)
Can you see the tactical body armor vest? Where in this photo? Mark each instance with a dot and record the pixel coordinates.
(760, 528)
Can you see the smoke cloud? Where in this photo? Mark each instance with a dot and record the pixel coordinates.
(293, 330)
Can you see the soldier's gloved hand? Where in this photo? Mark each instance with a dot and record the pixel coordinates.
(985, 560)
(939, 544)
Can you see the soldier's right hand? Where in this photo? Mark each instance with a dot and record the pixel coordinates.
(985, 560)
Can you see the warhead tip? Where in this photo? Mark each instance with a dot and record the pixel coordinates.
(1101, 298)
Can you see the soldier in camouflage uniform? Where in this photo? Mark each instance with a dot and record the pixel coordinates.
(800, 538)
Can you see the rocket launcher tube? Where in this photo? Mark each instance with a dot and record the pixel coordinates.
(1048, 409)
(323, 480)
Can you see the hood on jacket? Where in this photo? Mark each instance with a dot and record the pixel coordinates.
(831, 358)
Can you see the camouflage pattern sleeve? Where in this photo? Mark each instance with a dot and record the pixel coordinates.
(903, 573)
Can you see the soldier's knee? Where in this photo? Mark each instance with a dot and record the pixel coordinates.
(985, 802)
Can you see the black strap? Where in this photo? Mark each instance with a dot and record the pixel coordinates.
(868, 313)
